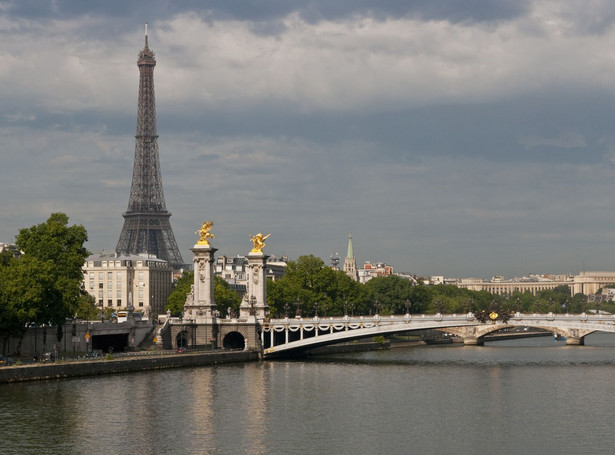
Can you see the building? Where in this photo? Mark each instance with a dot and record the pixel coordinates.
(11, 248)
(116, 281)
(372, 270)
(234, 270)
(350, 263)
(587, 283)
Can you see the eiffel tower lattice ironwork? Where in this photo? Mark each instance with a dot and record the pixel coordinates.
(147, 228)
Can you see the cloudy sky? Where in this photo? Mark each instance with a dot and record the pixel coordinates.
(458, 138)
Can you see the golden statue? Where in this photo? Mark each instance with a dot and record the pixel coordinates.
(258, 241)
(204, 233)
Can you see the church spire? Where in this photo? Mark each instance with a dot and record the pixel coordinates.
(350, 253)
(350, 264)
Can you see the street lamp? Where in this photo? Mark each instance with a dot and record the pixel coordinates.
(181, 331)
(298, 304)
(408, 306)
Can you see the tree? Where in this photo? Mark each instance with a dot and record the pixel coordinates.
(224, 296)
(86, 307)
(316, 288)
(61, 246)
(177, 298)
(24, 285)
(391, 292)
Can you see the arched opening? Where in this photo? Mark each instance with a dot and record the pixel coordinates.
(233, 340)
(182, 340)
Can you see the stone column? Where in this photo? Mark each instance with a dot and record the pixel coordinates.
(254, 305)
(203, 307)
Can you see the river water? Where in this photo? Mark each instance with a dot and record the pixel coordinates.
(526, 396)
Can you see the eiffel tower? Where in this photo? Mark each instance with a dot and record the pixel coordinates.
(147, 228)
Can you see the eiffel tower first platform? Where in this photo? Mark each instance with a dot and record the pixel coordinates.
(147, 228)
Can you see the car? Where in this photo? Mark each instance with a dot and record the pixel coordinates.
(6, 361)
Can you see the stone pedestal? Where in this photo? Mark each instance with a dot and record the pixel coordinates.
(254, 305)
(200, 306)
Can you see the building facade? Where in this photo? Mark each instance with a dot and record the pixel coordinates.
(234, 270)
(373, 270)
(587, 283)
(120, 281)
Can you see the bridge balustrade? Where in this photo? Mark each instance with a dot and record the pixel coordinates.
(298, 333)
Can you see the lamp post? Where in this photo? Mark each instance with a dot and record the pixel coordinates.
(181, 331)
(408, 306)
(298, 304)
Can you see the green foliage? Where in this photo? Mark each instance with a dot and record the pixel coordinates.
(224, 296)
(177, 298)
(313, 287)
(380, 339)
(86, 307)
(60, 246)
(44, 284)
(391, 292)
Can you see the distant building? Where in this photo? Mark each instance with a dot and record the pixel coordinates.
(350, 263)
(372, 270)
(116, 281)
(587, 283)
(233, 269)
(11, 248)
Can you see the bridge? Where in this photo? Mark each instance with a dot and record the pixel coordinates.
(288, 336)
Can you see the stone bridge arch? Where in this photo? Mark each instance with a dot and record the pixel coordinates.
(475, 335)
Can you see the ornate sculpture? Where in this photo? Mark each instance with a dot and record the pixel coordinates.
(204, 233)
(258, 241)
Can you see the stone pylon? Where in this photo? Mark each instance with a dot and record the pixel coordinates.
(254, 305)
(202, 308)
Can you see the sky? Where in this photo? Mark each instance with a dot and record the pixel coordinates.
(464, 139)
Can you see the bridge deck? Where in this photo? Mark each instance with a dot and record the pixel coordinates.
(283, 336)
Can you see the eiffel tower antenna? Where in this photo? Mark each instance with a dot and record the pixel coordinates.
(147, 228)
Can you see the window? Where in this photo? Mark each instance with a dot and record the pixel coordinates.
(118, 294)
(109, 275)
(100, 302)
(109, 284)
(119, 303)
(101, 275)
(140, 303)
(109, 293)
(109, 302)
(100, 295)
(100, 285)
(91, 275)
(91, 285)
(140, 275)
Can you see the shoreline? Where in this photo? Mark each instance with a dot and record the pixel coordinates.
(82, 368)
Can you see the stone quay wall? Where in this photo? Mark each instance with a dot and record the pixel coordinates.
(125, 365)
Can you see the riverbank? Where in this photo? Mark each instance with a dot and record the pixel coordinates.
(60, 370)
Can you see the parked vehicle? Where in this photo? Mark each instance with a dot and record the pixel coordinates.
(6, 361)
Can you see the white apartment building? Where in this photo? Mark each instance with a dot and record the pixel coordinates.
(115, 281)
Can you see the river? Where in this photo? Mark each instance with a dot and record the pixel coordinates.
(508, 397)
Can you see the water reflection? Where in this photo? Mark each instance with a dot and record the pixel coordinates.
(500, 398)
